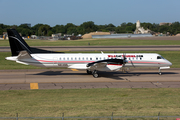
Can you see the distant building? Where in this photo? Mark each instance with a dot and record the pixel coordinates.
(140, 30)
(28, 24)
(163, 23)
(33, 36)
(56, 36)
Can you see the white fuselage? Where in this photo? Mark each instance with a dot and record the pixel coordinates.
(80, 60)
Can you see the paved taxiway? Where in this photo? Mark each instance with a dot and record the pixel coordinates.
(68, 79)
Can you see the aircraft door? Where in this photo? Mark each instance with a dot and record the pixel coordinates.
(55, 61)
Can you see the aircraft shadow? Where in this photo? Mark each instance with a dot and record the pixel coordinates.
(117, 75)
(54, 73)
(102, 74)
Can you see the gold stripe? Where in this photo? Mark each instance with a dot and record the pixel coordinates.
(34, 86)
(74, 70)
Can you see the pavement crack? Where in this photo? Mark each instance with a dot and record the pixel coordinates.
(106, 86)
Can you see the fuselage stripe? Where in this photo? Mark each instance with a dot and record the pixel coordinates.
(73, 62)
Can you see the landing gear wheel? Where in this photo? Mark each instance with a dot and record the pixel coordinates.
(88, 72)
(95, 74)
(160, 73)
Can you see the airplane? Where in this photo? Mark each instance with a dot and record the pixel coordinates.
(91, 62)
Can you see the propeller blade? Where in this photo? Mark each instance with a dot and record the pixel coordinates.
(124, 62)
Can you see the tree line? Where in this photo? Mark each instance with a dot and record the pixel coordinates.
(87, 27)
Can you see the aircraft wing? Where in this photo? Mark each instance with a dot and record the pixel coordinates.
(103, 63)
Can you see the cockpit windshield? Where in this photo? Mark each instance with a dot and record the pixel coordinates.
(160, 57)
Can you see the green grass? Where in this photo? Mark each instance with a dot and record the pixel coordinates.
(172, 56)
(96, 42)
(90, 102)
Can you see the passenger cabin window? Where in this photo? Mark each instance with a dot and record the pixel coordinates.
(96, 58)
(87, 58)
(71, 58)
(90, 58)
(59, 58)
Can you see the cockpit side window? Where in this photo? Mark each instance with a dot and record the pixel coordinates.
(160, 57)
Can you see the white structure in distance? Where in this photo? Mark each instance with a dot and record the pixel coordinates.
(140, 30)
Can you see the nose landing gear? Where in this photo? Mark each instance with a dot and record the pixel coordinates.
(160, 71)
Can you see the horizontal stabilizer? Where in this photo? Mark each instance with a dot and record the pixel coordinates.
(22, 62)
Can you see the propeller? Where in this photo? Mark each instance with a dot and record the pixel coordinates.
(124, 59)
(132, 64)
(124, 62)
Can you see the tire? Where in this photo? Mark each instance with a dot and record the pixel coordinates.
(95, 75)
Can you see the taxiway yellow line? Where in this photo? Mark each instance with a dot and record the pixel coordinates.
(34, 86)
(74, 70)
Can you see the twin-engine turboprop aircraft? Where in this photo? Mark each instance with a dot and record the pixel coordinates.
(92, 62)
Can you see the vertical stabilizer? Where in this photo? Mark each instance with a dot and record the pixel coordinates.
(16, 42)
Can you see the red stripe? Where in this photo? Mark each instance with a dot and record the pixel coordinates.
(66, 61)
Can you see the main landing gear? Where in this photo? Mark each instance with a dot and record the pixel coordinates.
(94, 73)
